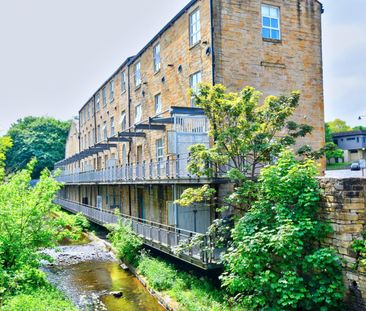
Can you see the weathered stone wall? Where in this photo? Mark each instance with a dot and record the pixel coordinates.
(275, 67)
(344, 202)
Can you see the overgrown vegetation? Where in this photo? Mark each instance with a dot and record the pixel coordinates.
(359, 246)
(192, 293)
(29, 221)
(126, 242)
(276, 261)
(45, 299)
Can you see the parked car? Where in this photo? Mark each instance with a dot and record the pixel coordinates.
(355, 166)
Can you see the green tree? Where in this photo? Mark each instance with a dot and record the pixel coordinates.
(328, 134)
(276, 261)
(332, 151)
(359, 128)
(5, 144)
(26, 225)
(247, 135)
(42, 138)
(338, 125)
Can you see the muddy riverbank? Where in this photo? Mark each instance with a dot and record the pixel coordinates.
(89, 273)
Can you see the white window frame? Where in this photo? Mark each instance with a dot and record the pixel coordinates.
(123, 121)
(104, 97)
(105, 131)
(124, 154)
(111, 91)
(271, 17)
(112, 127)
(123, 81)
(194, 80)
(158, 103)
(137, 74)
(159, 148)
(138, 113)
(99, 134)
(195, 27)
(156, 57)
(97, 102)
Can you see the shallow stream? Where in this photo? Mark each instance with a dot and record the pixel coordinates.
(89, 273)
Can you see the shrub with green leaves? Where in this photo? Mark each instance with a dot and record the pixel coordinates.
(161, 275)
(126, 242)
(46, 299)
(276, 261)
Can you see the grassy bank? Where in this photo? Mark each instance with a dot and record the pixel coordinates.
(184, 291)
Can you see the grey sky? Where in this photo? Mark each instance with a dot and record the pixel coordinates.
(54, 54)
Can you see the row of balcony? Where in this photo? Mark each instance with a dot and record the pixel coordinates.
(156, 235)
(165, 170)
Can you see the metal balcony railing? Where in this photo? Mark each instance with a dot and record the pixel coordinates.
(162, 237)
(159, 170)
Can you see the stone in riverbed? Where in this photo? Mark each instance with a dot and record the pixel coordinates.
(117, 294)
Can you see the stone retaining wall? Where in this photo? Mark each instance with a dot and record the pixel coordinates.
(344, 203)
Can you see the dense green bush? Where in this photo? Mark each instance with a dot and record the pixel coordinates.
(276, 261)
(126, 242)
(161, 275)
(46, 299)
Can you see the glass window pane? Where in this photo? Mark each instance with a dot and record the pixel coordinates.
(274, 23)
(266, 33)
(275, 34)
(265, 10)
(274, 12)
(266, 21)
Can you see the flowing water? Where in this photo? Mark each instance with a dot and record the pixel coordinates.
(88, 273)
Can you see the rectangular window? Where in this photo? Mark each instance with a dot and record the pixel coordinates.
(156, 57)
(112, 127)
(111, 91)
(81, 117)
(104, 97)
(158, 104)
(271, 22)
(194, 28)
(84, 115)
(138, 113)
(105, 131)
(81, 143)
(194, 81)
(93, 137)
(123, 121)
(123, 81)
(88, 109)
(97, 102)
(99, 134)
(137, 74)
(92, 107)
(159, 150)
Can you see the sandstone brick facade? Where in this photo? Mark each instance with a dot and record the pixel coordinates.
(230, 50)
